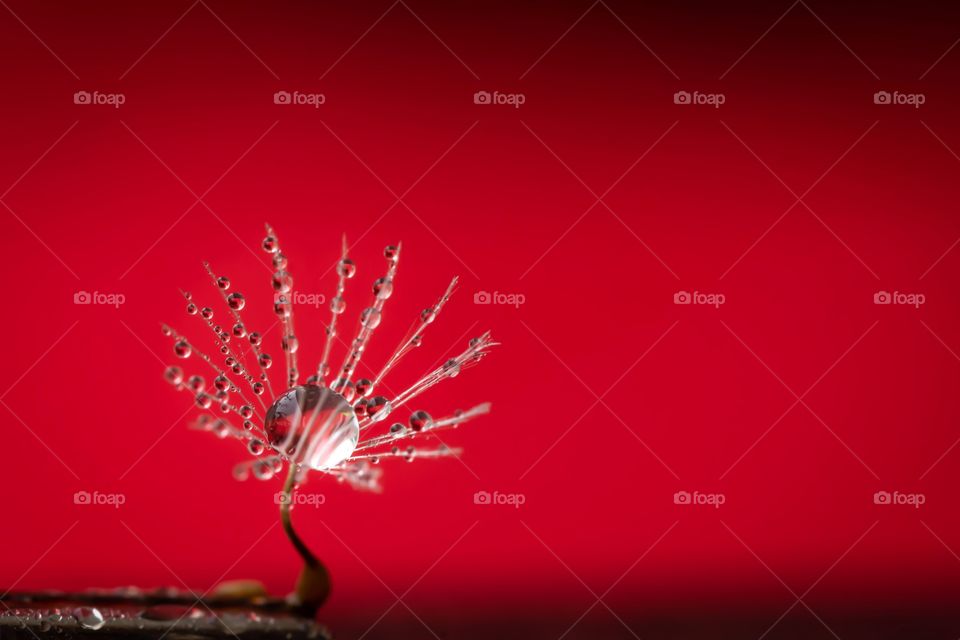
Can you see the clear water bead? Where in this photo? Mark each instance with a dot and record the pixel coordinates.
(314, 425)
(346, 268)
(182, 348)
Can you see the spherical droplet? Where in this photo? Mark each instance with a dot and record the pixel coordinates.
(192, 309)
(255, 338)
(256, 447)
(90, 618)
(319, 414)
(416, 340)
(265, 360)
(428, 315)
(173, 375)
(346, 268)
(239, 331)
(290, 344)
(206, 313)
(258, 388)
(452, 368)
(223, 282)
(379, 408)
(390, 252)
(282, 282)
(270, 244)
(182, 348)
(279, 261)
(420, 420)
(221, 382)
(203, 401)
(337, 304)
(246, 412)
(345, 388)
(196, 383)
(382, 288)
(236, 301)
(364, 387)
(263, 471)
(370, 318)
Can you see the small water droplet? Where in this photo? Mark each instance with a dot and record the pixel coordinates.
(236, 301)
(379, 408)
(383, 288)
(279, 261)
(246, 412)
(90, 618)
(182, 348)
(173, 375)
(239, 330)
(258, 388)
(370, 318)
(221, 382)
(196, 383)
(191, 309)
(452, 368)
(256, 447)
(282, 282)
(420, 420)
(390, 252)
(265, 360)
(346, 268)
(270, 244)
(428, 315)
(255, 338)
(364, 387)
(290, 344)
(223, 282)
(337, 305)
(206, 313)
(203, 401)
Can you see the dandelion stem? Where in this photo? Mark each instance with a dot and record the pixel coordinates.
(313, 586)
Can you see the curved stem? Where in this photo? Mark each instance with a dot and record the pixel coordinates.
(313, 586)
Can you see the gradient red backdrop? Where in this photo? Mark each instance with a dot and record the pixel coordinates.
(597, 200)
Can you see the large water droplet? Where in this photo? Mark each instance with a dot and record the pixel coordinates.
(420, 420)
(315, 423)
(182, 348)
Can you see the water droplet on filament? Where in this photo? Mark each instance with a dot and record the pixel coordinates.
(316, 424)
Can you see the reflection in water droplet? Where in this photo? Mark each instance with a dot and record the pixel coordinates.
(89, 618)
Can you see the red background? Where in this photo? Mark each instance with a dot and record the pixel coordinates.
(690, 198)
